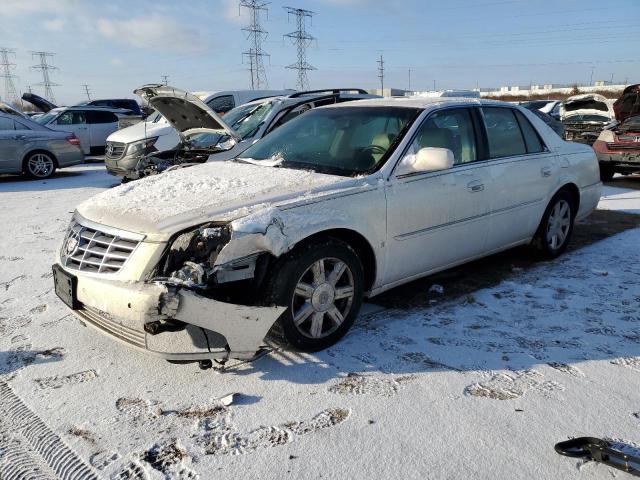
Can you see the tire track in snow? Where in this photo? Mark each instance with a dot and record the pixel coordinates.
(30, 449)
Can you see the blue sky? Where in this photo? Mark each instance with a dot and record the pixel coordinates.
(116, 45)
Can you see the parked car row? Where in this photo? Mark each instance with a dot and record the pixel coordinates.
(238, 129)
(337, 204)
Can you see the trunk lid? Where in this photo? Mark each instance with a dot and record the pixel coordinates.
(37, 101)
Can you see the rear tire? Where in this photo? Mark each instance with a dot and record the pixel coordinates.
(321, 284)
(39, 165)
(606, 172)
(556, 226)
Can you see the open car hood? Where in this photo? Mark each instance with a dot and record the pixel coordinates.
(587, 104)
(37, 101)
(183, 110)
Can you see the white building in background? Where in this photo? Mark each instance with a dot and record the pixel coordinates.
(548, 89)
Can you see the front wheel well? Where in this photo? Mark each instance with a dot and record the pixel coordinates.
(573, 190)
(38, 150)
(355, 240)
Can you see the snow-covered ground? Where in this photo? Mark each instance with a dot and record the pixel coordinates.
(476, 387)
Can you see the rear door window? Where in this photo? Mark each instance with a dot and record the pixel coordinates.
(503, 132)
(221, 104)
(6, 123)
(101, 117)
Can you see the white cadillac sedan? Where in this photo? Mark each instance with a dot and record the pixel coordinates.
(341, 203)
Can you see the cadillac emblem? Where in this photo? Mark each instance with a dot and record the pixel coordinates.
(71, 246)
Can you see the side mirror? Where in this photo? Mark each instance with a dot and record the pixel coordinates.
(428, 159)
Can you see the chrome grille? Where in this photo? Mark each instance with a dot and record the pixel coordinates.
(115, 150)
(91, 250)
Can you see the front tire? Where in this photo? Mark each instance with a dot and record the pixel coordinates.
(556, 227)
(321, 283)
(39, 165)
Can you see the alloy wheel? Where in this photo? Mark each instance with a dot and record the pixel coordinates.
(558, 224)
(40, 165)
(323, 298)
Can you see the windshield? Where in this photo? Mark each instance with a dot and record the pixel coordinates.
(247, 119)
(46, 118)
(342, 141)
(631, 123)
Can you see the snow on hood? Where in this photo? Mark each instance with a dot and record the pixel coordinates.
(167, 203)
(587, 104)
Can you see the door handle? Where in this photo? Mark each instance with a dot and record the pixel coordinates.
(545, 171)
(475, 186)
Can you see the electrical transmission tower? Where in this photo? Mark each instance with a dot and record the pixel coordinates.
(86, 90)
(10, 94)
(255, 34)
(381, 73)
(302, 40)
(165, 79)
(45, 67)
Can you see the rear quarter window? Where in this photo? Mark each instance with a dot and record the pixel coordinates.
(532, 139)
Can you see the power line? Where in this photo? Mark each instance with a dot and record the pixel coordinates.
(256, 35)
(10, 94)
(165, 79)
(381, 73)
(301, 39)
(45, 67)
(86, 90)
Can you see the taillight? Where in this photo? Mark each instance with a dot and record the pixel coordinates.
(73, 140)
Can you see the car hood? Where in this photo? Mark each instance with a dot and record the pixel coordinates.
(140, 131)
(161, 205)
(38, 102)
(587, 104)
(186, 112)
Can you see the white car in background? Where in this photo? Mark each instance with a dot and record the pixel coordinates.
(341, 203)
(584, 116)
(92, 125)
(128, 145)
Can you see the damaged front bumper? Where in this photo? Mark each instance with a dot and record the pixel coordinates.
(171, 322)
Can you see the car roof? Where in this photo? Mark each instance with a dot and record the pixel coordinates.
(422, 103)
(302, 97)
(96, 108)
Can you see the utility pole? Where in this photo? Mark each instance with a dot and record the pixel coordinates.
(86, 90)
(301, 39)
(381, 73)
(591, 78)
(10, 94)
(45, 67)
(165, 79)
(409, 89)
(255, 34)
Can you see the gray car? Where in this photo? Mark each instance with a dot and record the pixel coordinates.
(30, 148)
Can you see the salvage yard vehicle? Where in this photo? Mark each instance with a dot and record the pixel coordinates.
(618, 148)
(550, 107)
(341, 203)
(584, 116)
(628, 105)
(242, 126)
(37, 151)
(92, 125)
(555, 125)
(157, 136)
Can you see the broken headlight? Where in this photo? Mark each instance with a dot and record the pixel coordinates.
(142, 147)
(193, 254)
